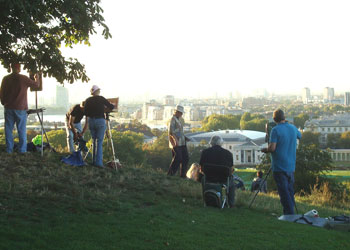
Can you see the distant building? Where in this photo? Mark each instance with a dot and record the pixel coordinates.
(340, 155)
(244, 145)
(328, 125)
(250, 102)
(146, 107)
(168, 112)
(347, 99)
(328, 94)
(306, 95)
(155, 113)
(169, 100)
(62, 97)
(220, 110)
(192, 113)
(137, 114)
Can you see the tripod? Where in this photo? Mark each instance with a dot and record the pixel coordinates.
(260, 186)
(115, 162)
(41, 120)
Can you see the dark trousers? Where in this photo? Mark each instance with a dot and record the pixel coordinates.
(231, 192)
(285, 183)
(180, 156)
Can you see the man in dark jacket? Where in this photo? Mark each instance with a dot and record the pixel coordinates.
(217, 155)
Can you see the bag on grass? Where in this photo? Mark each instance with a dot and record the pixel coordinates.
(305, 219)
(339, 222)
(212, 195)
(75, 159)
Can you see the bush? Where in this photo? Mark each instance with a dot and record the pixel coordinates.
(158, 153)
(311, 163)
(127, 147)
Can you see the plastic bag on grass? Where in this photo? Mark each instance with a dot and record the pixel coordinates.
(74, 159)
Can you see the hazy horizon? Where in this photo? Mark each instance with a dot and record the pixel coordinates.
(202, 48)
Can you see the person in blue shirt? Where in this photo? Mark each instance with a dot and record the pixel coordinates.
(282, 146)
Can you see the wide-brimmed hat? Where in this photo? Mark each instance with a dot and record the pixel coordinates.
(179, 108)
(94, 89)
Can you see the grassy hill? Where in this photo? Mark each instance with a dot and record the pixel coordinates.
(47, 205)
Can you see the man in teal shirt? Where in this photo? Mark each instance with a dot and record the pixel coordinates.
(282, 146)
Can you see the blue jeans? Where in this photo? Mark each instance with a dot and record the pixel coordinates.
(18, 117)
(97, 128)
(285, 183)
(70, 136)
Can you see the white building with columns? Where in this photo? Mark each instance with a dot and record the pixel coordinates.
(245, 145)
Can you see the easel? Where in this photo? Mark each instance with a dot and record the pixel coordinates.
(115, 162)
(38, 111)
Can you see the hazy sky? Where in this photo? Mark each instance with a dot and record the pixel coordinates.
(196, 48)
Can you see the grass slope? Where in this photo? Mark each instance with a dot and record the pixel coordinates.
(47, 205)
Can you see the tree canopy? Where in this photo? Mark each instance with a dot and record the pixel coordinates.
(219, 122)
(253, 122)
(32, 32)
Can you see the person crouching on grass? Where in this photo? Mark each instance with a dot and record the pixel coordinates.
(74, 129)
(94, 110)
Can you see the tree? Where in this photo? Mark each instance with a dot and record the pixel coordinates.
(220, 122)
(257, 124)
(253, 122)
(33, 31)
(345, 140)
(333, 140)
(299, 121)
(128, 148)
(311, 164)
(309, 138)
(159, 153)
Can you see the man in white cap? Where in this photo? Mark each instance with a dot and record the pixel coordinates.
(177, 143)
(94, 109)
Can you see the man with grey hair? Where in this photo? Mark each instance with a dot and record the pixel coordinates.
(216, 155)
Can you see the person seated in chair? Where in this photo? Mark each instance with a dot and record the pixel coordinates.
(257, 183)
(216, 155)
(239, 183)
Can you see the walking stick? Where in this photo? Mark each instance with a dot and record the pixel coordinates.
(260, 186)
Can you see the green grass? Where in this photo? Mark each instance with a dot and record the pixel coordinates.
(339, 175)
(47, 205)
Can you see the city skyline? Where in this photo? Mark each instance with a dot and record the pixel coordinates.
(202, 49)
(73, 98)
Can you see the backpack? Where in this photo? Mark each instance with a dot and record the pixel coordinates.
(212, 195)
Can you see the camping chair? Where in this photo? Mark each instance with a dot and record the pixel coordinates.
(215, 185)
